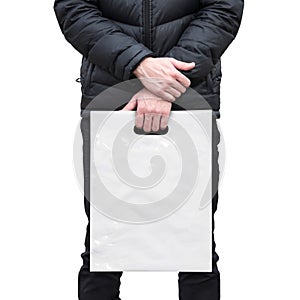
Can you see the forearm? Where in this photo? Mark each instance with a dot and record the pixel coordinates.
(208, 35)
(98, 38)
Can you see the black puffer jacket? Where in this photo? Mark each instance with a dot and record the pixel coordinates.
(115, 35)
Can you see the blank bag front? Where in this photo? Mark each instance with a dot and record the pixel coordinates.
(150, 194)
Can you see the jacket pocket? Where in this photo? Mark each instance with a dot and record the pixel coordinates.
(86, 74)
(214, 79)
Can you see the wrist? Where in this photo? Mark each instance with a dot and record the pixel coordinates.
(138, 71)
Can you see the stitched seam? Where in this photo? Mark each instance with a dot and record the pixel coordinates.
(177, 19)
(151, 29)
(143, 21)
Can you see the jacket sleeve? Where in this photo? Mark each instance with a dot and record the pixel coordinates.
(208, 35)
(98, 38)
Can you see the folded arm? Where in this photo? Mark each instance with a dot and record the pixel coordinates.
(98, 38)
(208, 35)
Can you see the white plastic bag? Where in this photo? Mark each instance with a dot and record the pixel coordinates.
(150, 194)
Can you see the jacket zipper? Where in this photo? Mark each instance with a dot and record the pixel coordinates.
(147, 23)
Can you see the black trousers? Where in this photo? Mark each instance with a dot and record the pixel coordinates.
(106, 285)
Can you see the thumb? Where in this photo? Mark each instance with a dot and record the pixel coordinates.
(181, 65)
(130, 105)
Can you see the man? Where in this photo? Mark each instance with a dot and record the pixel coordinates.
(170, 45)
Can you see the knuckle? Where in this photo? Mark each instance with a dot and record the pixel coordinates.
(142, 111)
(172, 98)
(157, 110)
(161, 94)
(178, 94)
(164, 84)
(141, 104)
(173, 73)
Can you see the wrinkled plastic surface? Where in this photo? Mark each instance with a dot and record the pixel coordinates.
(150, 194)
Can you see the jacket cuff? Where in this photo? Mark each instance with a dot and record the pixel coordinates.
(134, 56)
(203, 64)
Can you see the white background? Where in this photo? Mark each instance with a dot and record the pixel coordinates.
(42, 217)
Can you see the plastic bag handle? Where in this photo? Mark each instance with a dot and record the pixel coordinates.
(140, 131)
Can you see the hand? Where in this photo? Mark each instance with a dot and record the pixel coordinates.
(152, 112)
(161, 76)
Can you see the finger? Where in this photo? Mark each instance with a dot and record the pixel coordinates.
(164, 121)
(139, 118)
(165, 116)
(178, 86)
(130, 105)
(156, 122)
(182, 79)
(174, 92)
(147, 122)
(181, 65)
(165, 95)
